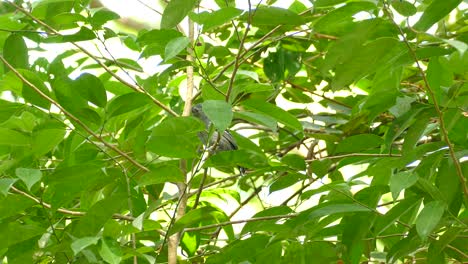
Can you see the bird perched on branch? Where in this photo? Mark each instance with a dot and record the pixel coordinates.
(225, 143)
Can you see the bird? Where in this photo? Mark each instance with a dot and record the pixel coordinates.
(225, 143)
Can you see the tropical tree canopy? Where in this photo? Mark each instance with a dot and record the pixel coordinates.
(346, 124)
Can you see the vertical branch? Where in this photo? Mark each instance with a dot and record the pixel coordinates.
(239, 54)
(174, 240)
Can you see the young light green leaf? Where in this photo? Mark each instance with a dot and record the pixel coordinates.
(29, 176)
(175, 11)
(81, 243)
(219, 112)
(110, 251)
(5, 185)
(429, 218)
(175, 46)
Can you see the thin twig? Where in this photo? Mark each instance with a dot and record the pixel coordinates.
(359, 155)
(239, 52)
(66, 211)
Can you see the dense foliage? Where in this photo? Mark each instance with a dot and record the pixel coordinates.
(351, 119)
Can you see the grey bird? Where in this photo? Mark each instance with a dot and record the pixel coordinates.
(226, 142)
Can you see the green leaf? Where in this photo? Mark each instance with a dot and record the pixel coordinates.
(29, 176)
(258, 118)
(403, 207)
(436, 10)
(110, 251)
(219, 112)
(275, 112)
(10, 24)
(329, 208)
(225, 3)
(46, 139)
(438, 76)
(15, 52)
(125, 103)
(285, 181)
(5, 185)
(359, 143)
(68, 182)
(12, 204)
(175, 46)
(100, 213)
(14, 233)
(102, 16)
(267, 224)
(416, 131)
(401, 181)
(30, 95)
(176, 137)
(264, 17)
(158, 37)
(403, 7)
(83, 34)
(429, 218)
(9, 137)
(215, 18)
(368, 59)
(337, 18)
(162, 173)
(91, 88)
(327, 3)
(195, 217)
(243, 158)
(243, 251)
(78, 245)
(436, 248)
(175, 11)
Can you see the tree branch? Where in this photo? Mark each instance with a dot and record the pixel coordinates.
(256, 219)
(429, 90)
